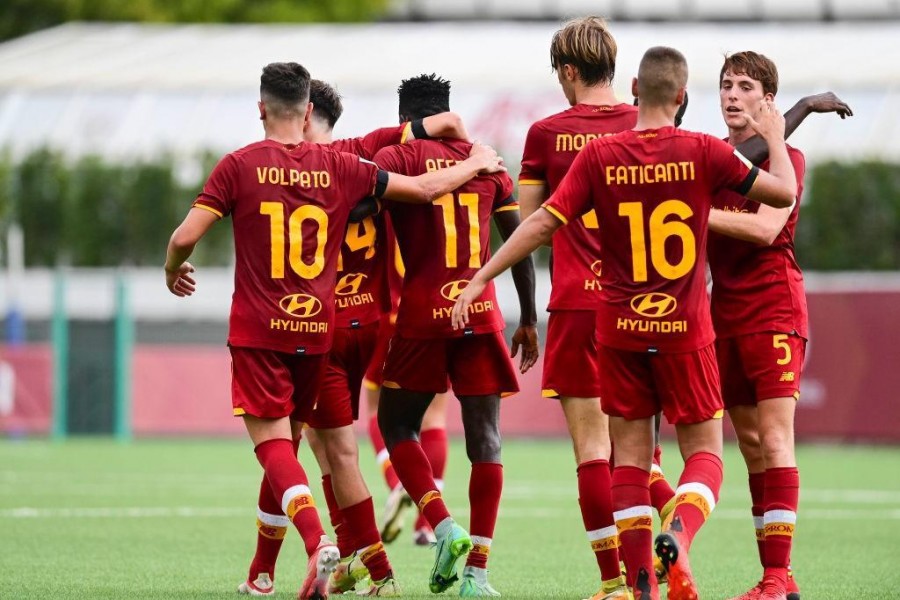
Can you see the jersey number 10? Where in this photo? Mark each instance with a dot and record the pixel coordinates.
(300, 266)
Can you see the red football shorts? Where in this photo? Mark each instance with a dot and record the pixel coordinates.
(375, 372)
(760, 366)
(272, 385)
(338, 404)
(476, 365)
(684, 385)
(570, 356)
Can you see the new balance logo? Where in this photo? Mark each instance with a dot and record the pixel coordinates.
(787, 376)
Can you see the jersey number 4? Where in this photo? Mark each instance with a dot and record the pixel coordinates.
(660, 230)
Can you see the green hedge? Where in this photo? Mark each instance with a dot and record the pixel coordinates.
(92, 214)
(89, 213)
(850, 217)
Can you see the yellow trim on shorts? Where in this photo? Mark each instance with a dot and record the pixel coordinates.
(390, 384)
(209, 208)
(532, 182)
(548, 393)
(719, 414)
(370, 385)
(507, 394)
(556, 213)
(239, 412)
(796, 396)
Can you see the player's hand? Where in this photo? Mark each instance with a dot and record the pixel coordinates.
(459, 316)
(179, 280)
(525, 336)
(827, 102)
(487, 158)
(769, 123)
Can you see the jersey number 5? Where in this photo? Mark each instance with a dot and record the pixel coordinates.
(306, 270)
(448, 209)
(660, 230)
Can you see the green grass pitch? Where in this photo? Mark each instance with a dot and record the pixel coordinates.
(175, 519)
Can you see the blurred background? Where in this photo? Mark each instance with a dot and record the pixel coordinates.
(112, 114)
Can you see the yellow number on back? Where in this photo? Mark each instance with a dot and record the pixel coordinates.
(448, 210)
(660, 230)
(306, 270)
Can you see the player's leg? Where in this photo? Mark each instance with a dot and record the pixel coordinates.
(436, 446)
(692, 401)
(631, 401)
(662, 496)
(571, 373)
(267, 388)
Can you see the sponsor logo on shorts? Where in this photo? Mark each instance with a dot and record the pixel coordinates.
(787, 376)
(301, 305)
(451, 291)
(653, 305)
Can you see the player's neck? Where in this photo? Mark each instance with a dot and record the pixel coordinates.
(284, 132)
(597, 95)
(654, 117)
(739, 136)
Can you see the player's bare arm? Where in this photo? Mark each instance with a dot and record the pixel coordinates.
(445, 125)
(778, 186)
(523, 277)
(424, 188)
(532, 233)
(181, 246)
(755, 148)
(531, 196)
(760, 228)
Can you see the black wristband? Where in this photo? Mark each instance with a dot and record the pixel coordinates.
(418, 130)
(381, 182)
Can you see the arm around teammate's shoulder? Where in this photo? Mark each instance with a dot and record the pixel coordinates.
(778, 186)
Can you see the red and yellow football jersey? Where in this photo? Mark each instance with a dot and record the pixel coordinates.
(289, 206)
(444, 243)
(757, 288)
(652, 191)
(368, 145)
(551, 146)
(360, 293)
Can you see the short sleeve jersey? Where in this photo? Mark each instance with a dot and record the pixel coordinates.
(652, 191)
(368, 145)
(289, 206)
(756, 288)
(444, 243)
(550, 147)
(361, 283)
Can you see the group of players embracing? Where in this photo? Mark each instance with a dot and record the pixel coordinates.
(632, 206)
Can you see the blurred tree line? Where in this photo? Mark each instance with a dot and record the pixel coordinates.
(18, 17)
(89, 213)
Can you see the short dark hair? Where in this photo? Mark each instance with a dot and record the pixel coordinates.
(284, 88)
(423, 96)
(663, 72)
(326, 101)
(755, 66)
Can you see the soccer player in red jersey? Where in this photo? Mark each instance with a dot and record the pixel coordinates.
(760, 318)
(652, 188)
(442, 247)
(289, 202)
(359, 305)
(583, 54)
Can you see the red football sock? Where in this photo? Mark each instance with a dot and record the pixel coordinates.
(360, 518)
(381, 454)
(288, 480)
(634, 521)
(757, 509)
(415, 473)
(696, 496)
(342, 530)
(660, 490)
(595, 499)
(485, 489)
(271, 526)
(782, 497)
(434, 443)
